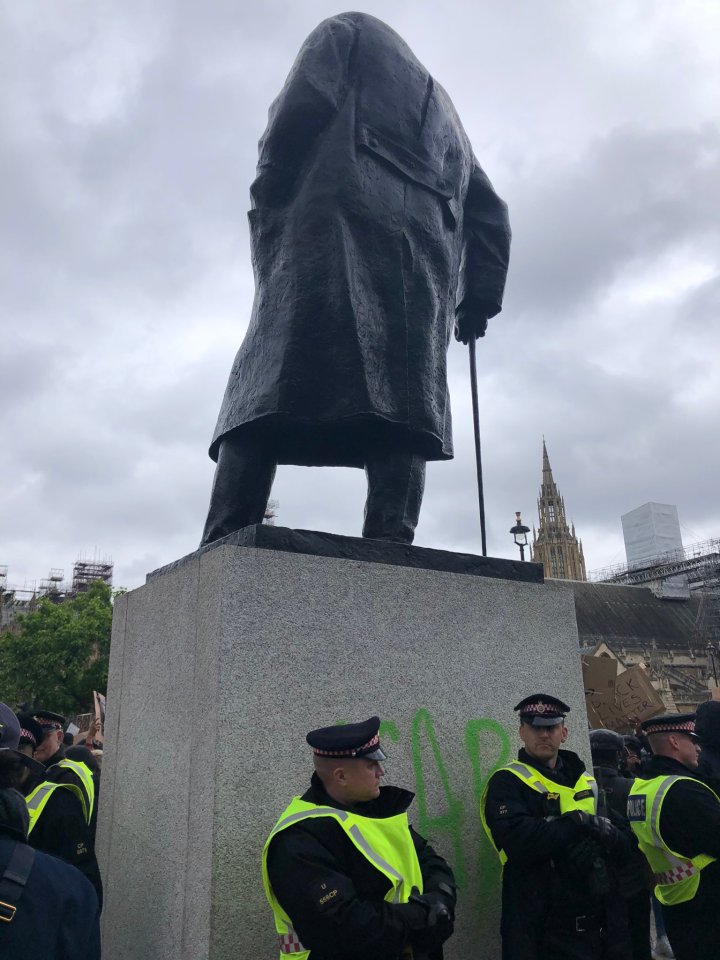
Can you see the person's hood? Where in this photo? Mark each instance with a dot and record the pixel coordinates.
(707, 724)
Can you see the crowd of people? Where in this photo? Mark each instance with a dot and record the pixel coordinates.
(50, 886)
(588, 857)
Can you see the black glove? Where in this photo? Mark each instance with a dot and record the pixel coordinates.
(599, 828)
(581, 856)
(438, 919)
(584, 865)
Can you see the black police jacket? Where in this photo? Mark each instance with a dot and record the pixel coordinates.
(57, 914)
(629, 869)
(690, 825)
(61, 830)
(544, 886)
(689, 817)
(358, 922)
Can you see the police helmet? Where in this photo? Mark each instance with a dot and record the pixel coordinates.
(606, 741)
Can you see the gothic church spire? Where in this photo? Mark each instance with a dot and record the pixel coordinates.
(554, 544)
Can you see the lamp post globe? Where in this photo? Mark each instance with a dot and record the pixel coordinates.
(520, 532)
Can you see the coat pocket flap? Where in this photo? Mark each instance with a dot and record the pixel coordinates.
(405, 162)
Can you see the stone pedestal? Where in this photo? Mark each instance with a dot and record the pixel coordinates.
(222, 662)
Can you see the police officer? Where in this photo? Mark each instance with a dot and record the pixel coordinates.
(540, 814)
(676, 819)
(628, 918)
(48, 910)
(61, 802)
(345, 874)
(50, 750)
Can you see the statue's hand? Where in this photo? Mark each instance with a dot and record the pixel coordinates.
(471, 321)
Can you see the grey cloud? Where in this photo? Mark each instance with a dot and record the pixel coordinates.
(129, 148)
(632, 196)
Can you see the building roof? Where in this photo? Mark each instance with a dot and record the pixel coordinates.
(633, 616)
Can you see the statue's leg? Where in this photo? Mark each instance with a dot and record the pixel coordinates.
(241, 488)
(396, 481)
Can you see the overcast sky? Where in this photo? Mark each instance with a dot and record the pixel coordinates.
(129, 140)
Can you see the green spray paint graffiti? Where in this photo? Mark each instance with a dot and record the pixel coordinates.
(451, 822)
(486, 748)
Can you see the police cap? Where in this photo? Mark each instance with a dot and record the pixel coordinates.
(30, 730)
(348, 740)
(542, 710)
(670, 723)
(48, 720)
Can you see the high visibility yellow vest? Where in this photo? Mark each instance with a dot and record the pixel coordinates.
(386, 843)
(583, 796)
(677, 878)
(37, 800)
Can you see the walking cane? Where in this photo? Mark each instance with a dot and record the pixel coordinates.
(476, 424)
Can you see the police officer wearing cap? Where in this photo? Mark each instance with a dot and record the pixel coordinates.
(50, 750)
(344, 872)
(676, 819)
(540, 814)
(61, 800)
(48, 910)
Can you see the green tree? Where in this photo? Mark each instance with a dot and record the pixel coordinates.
(59, 654)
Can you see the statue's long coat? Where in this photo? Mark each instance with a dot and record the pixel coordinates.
(371, 220)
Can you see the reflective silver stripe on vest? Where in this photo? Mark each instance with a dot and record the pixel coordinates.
(356, 833)
(42, 792)
(305, 814)
(527, 775)
(654, 818)
(682, 864)
(375, 858)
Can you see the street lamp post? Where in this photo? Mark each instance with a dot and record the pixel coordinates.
(520, 532)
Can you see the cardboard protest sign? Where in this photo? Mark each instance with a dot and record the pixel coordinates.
(599, 675)
(636, 696)
(99, 699)
(604, 711)
(632, 699)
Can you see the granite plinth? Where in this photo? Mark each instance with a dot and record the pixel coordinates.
(317, 544)
(221, 664)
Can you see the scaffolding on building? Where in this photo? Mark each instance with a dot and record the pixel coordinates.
(16, 599)
(700, 563)
(86, 572)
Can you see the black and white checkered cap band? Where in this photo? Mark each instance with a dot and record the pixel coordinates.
(361, 750)
(688, 726)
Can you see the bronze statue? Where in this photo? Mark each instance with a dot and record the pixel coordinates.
(374, 231)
